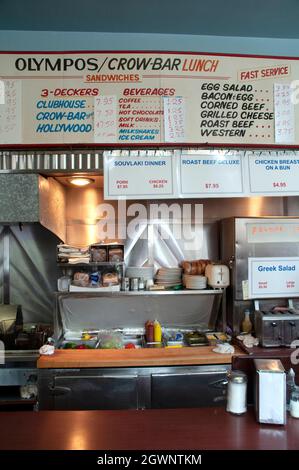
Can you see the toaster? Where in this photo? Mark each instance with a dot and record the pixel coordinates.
(218, 275)
(276, 328)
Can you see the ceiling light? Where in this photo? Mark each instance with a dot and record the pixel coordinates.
(79, 181)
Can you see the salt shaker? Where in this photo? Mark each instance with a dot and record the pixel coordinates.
(236, 392)
(294, 404)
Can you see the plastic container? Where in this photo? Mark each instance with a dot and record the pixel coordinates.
(110, 340)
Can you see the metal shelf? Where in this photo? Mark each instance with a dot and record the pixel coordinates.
(148, 292)
(91, 264)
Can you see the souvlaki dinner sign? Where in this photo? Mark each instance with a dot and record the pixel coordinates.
(147, 99)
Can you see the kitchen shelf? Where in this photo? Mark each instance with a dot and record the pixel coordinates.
(91, 264)
(147, 292)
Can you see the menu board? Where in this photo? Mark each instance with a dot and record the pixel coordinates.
(211, 173)
(139, 176)
(275, 173)
(147, 99)
(273, 277)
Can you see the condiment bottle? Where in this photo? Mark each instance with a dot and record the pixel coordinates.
(291, 386)
(157, 332)
(246, 323)
(236, 392)
(149, 331)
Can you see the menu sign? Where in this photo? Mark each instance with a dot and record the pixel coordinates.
(147, 99)
(273, 277)
(274, 173)
(212, 174)
(138, 176)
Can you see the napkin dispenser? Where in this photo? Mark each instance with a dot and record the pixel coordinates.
(270, 391)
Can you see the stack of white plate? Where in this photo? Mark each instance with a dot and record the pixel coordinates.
(195, 282)
(169, 277)
(147, 272)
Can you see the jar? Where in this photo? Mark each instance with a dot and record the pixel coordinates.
(294, 404)
(141, 284)
(236, 392)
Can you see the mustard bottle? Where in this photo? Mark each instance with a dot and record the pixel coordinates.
(157, 332)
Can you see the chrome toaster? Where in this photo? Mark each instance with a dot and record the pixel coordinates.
(276, 328)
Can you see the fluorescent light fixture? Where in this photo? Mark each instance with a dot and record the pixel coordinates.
(80, 181)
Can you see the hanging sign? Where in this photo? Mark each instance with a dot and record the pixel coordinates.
(147, 99)
(273, 277)
(211, 174)
(138, 175)
(273, 173)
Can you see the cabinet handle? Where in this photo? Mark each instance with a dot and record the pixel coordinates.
(56, 391)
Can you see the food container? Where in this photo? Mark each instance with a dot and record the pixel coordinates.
(113, 340)
(115, 253)
(196, 338)
(98, 253)
(236, 392)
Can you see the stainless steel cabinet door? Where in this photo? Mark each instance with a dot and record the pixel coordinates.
(87, 392)
(189, 389)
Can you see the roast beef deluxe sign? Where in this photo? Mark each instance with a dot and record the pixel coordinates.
(147, 99)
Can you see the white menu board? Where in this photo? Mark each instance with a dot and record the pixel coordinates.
(138, 176)
(273, 277)
(273, 173)
(211, 174)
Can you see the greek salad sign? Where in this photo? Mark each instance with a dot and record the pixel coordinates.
(273, 277)
(147, 99)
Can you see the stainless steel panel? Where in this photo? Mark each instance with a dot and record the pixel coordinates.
(52, 206)
(33, 271)
(54, 161)
(106, 311)
(94, 392)
(134, 387)
(189, 389)
(17, 376)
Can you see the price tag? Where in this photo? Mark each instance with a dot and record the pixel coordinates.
(211, 174)
(105, 119)
(174, 119)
